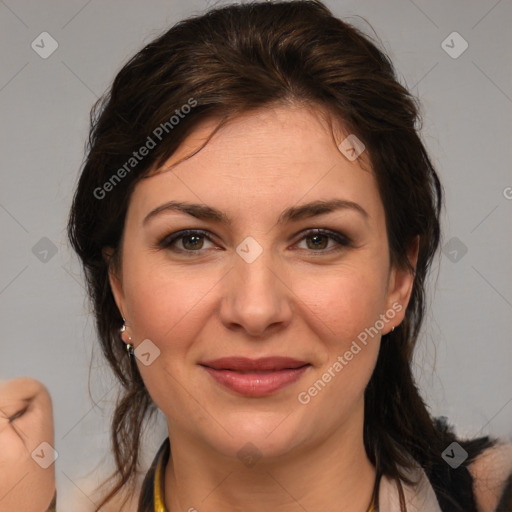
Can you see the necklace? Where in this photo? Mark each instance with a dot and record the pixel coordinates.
(158, 483)
(372, 507)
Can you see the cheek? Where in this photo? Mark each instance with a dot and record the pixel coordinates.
(346, 300)
(348, 308)
(165, 301)
(168, 305)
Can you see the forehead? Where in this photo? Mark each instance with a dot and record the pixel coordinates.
(273, 156)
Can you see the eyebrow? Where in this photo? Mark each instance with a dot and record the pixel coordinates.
(292, 214)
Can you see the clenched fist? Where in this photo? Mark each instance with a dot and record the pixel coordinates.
(27, 472)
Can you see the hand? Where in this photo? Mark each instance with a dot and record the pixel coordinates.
(26, 420)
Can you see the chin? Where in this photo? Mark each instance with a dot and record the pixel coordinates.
(254, 437)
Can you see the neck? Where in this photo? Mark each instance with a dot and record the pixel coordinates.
(335, 474)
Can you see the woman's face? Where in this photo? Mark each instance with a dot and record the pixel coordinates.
(261, 286)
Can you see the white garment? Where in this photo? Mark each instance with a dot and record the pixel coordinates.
(490, 471)
(420, 498)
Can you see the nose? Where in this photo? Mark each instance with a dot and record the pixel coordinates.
(256, 297)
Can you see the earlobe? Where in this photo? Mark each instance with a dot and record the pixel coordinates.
(401, 281)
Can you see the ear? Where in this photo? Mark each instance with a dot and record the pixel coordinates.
(115, 279)
(400, 285)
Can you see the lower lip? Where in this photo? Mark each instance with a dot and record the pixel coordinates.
(256, 384)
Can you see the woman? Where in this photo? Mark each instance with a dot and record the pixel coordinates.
(256, 218)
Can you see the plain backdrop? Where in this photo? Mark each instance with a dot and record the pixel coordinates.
(464, 360)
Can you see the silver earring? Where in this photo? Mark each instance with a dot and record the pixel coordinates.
(130, 349)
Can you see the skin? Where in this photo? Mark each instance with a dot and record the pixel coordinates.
(26, 421)
(294, 300)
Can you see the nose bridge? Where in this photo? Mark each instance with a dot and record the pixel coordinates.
(255, 296)
(254, 271)
(254, 268)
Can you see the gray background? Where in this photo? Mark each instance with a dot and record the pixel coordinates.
(464, 360)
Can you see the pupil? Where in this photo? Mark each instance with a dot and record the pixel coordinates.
(192, 237)
(318, 239)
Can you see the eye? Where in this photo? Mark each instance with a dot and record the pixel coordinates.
(192, 241)
(320, 239)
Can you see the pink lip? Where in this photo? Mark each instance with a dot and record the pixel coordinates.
(245, 364)
(255, 377)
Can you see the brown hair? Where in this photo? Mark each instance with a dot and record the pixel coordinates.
(226, 62)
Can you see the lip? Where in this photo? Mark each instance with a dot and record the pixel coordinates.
(255, 377)
(245, 364)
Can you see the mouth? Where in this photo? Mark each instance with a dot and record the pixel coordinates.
(255, 377)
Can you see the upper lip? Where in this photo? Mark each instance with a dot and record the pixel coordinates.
(247, 364)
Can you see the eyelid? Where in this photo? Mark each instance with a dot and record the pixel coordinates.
(336, 235)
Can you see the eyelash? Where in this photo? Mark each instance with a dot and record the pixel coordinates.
(340, 239)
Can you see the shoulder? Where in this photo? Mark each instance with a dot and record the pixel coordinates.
(492, 471)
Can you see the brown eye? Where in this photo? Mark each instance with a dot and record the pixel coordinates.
(188, 241)
(192, 242)
(318, 240)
